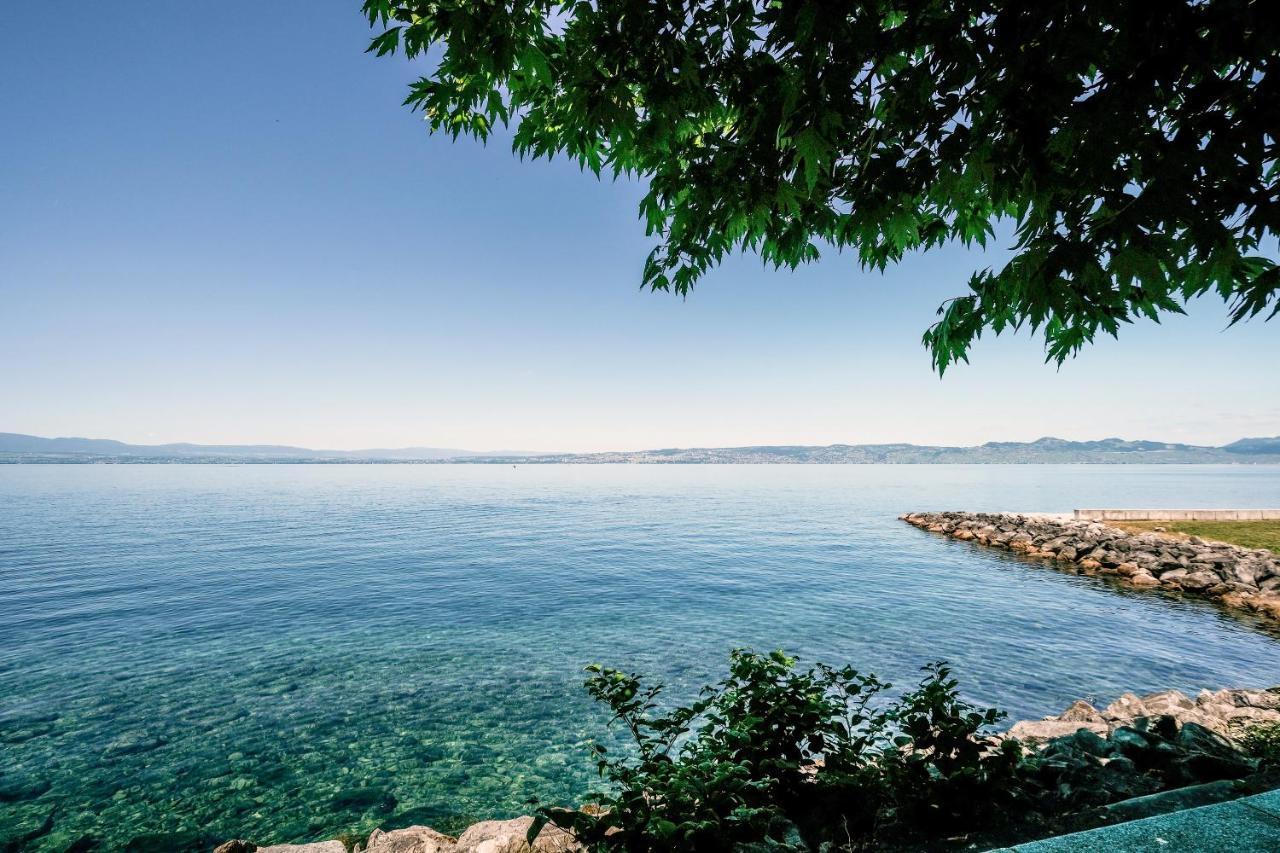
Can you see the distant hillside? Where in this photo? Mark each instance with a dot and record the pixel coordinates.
(1041, 451)
(28, 448)
(102, 449)
(1260, 446)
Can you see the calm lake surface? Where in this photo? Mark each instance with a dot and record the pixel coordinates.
(284, 652)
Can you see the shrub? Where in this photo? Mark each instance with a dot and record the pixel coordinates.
(788, 758)
(942, 773)
(1262, 741)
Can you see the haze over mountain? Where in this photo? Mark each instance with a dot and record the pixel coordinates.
(104, 448)
(15, 447)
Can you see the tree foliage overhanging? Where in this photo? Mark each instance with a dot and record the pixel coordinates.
(1133, 144)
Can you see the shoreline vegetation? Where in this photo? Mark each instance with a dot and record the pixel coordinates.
(1246, 534)
(1083, 768)
(1241, 579)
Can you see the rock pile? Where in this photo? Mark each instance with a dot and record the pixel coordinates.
(1138, 746)
(490, 836)
(1151, 755)
(1245, 578)
(1227, 713)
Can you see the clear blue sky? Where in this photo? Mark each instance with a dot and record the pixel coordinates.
(218, 224)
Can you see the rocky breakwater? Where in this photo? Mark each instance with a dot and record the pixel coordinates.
(1244, 578)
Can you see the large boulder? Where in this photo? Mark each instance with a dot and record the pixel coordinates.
(1126, 708)
(1230, 712)
(413, 839)
(1199, 580)
(1082, 712)
(1168, 702)
(508, 836)
(1033, 732)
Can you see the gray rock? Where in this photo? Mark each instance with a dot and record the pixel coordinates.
(1167, 702)
(1121, 764)
(1082, 712)
(1038, 731)
(1143, 748)
(1199, 580)
(508, 836)
(414, 839)
(1125, 708)
(1200, 767)
(1090, 743)
(1161, 726)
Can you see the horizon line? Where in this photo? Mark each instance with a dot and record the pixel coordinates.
(445, 452)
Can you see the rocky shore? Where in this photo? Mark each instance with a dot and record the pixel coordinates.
(490, 836)
(1243, 578)
(1156, 752)
(1226, 713)
(1150, 754)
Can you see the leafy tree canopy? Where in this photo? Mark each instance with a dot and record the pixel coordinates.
(1131, 143)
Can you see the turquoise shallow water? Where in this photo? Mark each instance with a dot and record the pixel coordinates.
(287, 652)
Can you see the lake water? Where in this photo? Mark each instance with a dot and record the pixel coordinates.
(287, 652)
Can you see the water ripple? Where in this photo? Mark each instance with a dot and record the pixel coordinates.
(225, 649)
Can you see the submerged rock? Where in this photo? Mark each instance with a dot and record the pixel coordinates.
(132, 743)
(236, 845)
(15, 790)
(23, 828)
(363, 800)
(182, 842)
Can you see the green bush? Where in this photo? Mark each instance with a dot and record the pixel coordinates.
(1263, 741)
(942, 773)
(789, 758)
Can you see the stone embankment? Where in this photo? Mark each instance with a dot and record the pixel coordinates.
(1244, 578)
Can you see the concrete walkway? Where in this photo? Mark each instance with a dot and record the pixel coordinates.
(1239, 826)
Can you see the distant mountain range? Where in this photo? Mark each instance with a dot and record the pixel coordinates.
(1044, 450)
(29, 448)
(107, 450)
